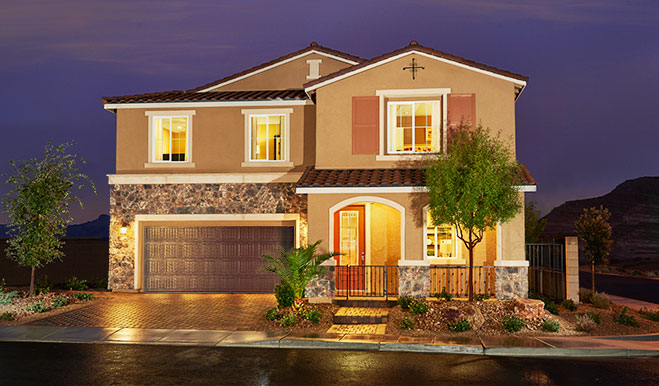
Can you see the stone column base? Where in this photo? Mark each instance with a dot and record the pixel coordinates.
(511, 279)
(413, 278)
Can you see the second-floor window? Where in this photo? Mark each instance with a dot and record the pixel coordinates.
(267, 137)
(413, 127)
(170, 138)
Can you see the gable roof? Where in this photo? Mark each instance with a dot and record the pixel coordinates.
(311, 49)
(415, 47)
(213, 96)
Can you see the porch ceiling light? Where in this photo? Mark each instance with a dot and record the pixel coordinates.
(123, 230)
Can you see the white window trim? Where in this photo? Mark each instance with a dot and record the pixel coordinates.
(314, 68)
(413, 103)
(440, 93)
(286, 161)
(151, 115)
(457, 250)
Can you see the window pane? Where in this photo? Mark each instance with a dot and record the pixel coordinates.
(179, 138)
(157, 139)
(267, 137)
(440, 239)
(166, 124)
(274, 137)
(414, 127)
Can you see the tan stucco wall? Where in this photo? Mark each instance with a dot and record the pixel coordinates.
(495, 106)
(512, 237)
(286, 76)
(218, 140)
(385, 234)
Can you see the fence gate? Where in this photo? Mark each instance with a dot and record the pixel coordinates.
(547, 270)
(367, 280)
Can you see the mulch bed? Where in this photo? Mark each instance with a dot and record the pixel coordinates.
(23, 315)
(326, 321)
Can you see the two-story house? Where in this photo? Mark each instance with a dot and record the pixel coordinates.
(314, 145)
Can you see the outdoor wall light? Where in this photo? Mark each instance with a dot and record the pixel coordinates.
(123, 230)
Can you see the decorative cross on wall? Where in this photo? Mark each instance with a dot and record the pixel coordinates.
(413, 67)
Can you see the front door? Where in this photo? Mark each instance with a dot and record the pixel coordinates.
(349, 241)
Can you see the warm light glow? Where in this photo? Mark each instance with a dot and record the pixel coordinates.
(413, 127)
(123, 230)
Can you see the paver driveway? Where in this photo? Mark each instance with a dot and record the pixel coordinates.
(191, 311)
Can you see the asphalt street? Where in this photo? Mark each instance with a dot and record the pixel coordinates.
(629, 287)
(100, 364)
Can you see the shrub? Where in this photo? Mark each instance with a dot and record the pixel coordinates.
(284, 294)
(534, 295)
(627, 320)
(585, 323)
(418, 307)
(59, 301)
(83, 296)
(3, 283)
(551, 307)
(650, 315)
(444, 295)
(288, 320)
(407, 323)
(37, 307)
(459, 326)
(272, 314)
(311, 314)
(600, 300)
(42, 291)
(595, 316)
(8, 316)
(551, 325)
(569, 305)
(585, 295)
(481, 297)
(404, 302)
(44, 282)
(512, 323)
(8, 298)
(75, 284)
(101, 283)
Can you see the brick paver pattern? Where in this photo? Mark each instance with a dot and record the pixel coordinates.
(184, 311)
(358, 329)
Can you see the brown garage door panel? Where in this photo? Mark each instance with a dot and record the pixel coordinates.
(211, 259)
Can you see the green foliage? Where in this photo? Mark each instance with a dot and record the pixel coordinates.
(37, 203)
(288, 320)
(42, 291)
(407, 323)
(594, 230)
(101, 283)
(585, 322)
(481, 297)
(569, 305)
(8, 298)
(75, 284)
(59, 301)
(600, 300)
(595, 316)
(404, 302)
(8, 316)
(627, 320)
(44, 282)
(444, 295)
(459, 326)
(533, 224)
(418, 306)
(551, 325)
(284, 294)
(272, 314)
(512, 323)
(649, 315)
(473, 187)
(311, 314)
(83, 296)
(585, 295)
(551, 307)
(297, 266)
(37, 307)
(3, 283)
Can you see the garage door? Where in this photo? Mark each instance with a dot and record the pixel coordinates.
(212, 258)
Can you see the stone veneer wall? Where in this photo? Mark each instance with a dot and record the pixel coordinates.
(512, 282)
(126, 201)
(414, 281)
(321, 289)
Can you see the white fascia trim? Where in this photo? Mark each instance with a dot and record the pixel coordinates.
(351, 73)
(276, 65)
(366, 190)
(511, 263)
(215, 178)
(526, 188)
(113, 106)
(413, 263)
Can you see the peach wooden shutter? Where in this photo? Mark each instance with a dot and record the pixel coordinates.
(461, 112)
(365, 125)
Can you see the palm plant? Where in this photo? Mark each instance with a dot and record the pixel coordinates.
(297, 267)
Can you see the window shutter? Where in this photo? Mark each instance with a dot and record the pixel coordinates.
(365, 125)
(461, 112)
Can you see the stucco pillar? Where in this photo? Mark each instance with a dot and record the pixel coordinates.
(321, 288)
(572, 268)
(414, 278)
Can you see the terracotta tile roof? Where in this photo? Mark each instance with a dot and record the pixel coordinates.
(217, 96)
(343, 178)
(414, 46)
(312, 47)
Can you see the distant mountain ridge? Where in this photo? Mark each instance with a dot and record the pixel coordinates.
(634, 207)
(99, 228)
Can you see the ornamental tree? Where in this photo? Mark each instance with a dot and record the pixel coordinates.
(594, 230)
(472, 187)
(37, 203)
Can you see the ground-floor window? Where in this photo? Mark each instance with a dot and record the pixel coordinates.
(440, 239)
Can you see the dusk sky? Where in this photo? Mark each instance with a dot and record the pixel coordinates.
(586, 122)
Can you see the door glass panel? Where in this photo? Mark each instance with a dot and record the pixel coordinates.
(349, 237)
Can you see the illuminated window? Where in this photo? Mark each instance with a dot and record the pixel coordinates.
(170, 138)
(413, 127)
(440, 239)
(266, 137)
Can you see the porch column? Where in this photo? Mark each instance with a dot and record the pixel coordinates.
(414, 278)
(321, 288)
(511, 279)
(572, 268)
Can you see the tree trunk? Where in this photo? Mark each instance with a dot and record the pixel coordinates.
(32, 282)
(592, 276)
(470, 286)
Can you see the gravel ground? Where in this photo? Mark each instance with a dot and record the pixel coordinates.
(19, 306)
(326, 321)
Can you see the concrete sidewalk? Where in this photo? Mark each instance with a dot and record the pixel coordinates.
(633, 303)
(627, 346)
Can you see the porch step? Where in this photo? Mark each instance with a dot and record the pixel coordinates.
(378, 329)
(365, 303)
(361, 315)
